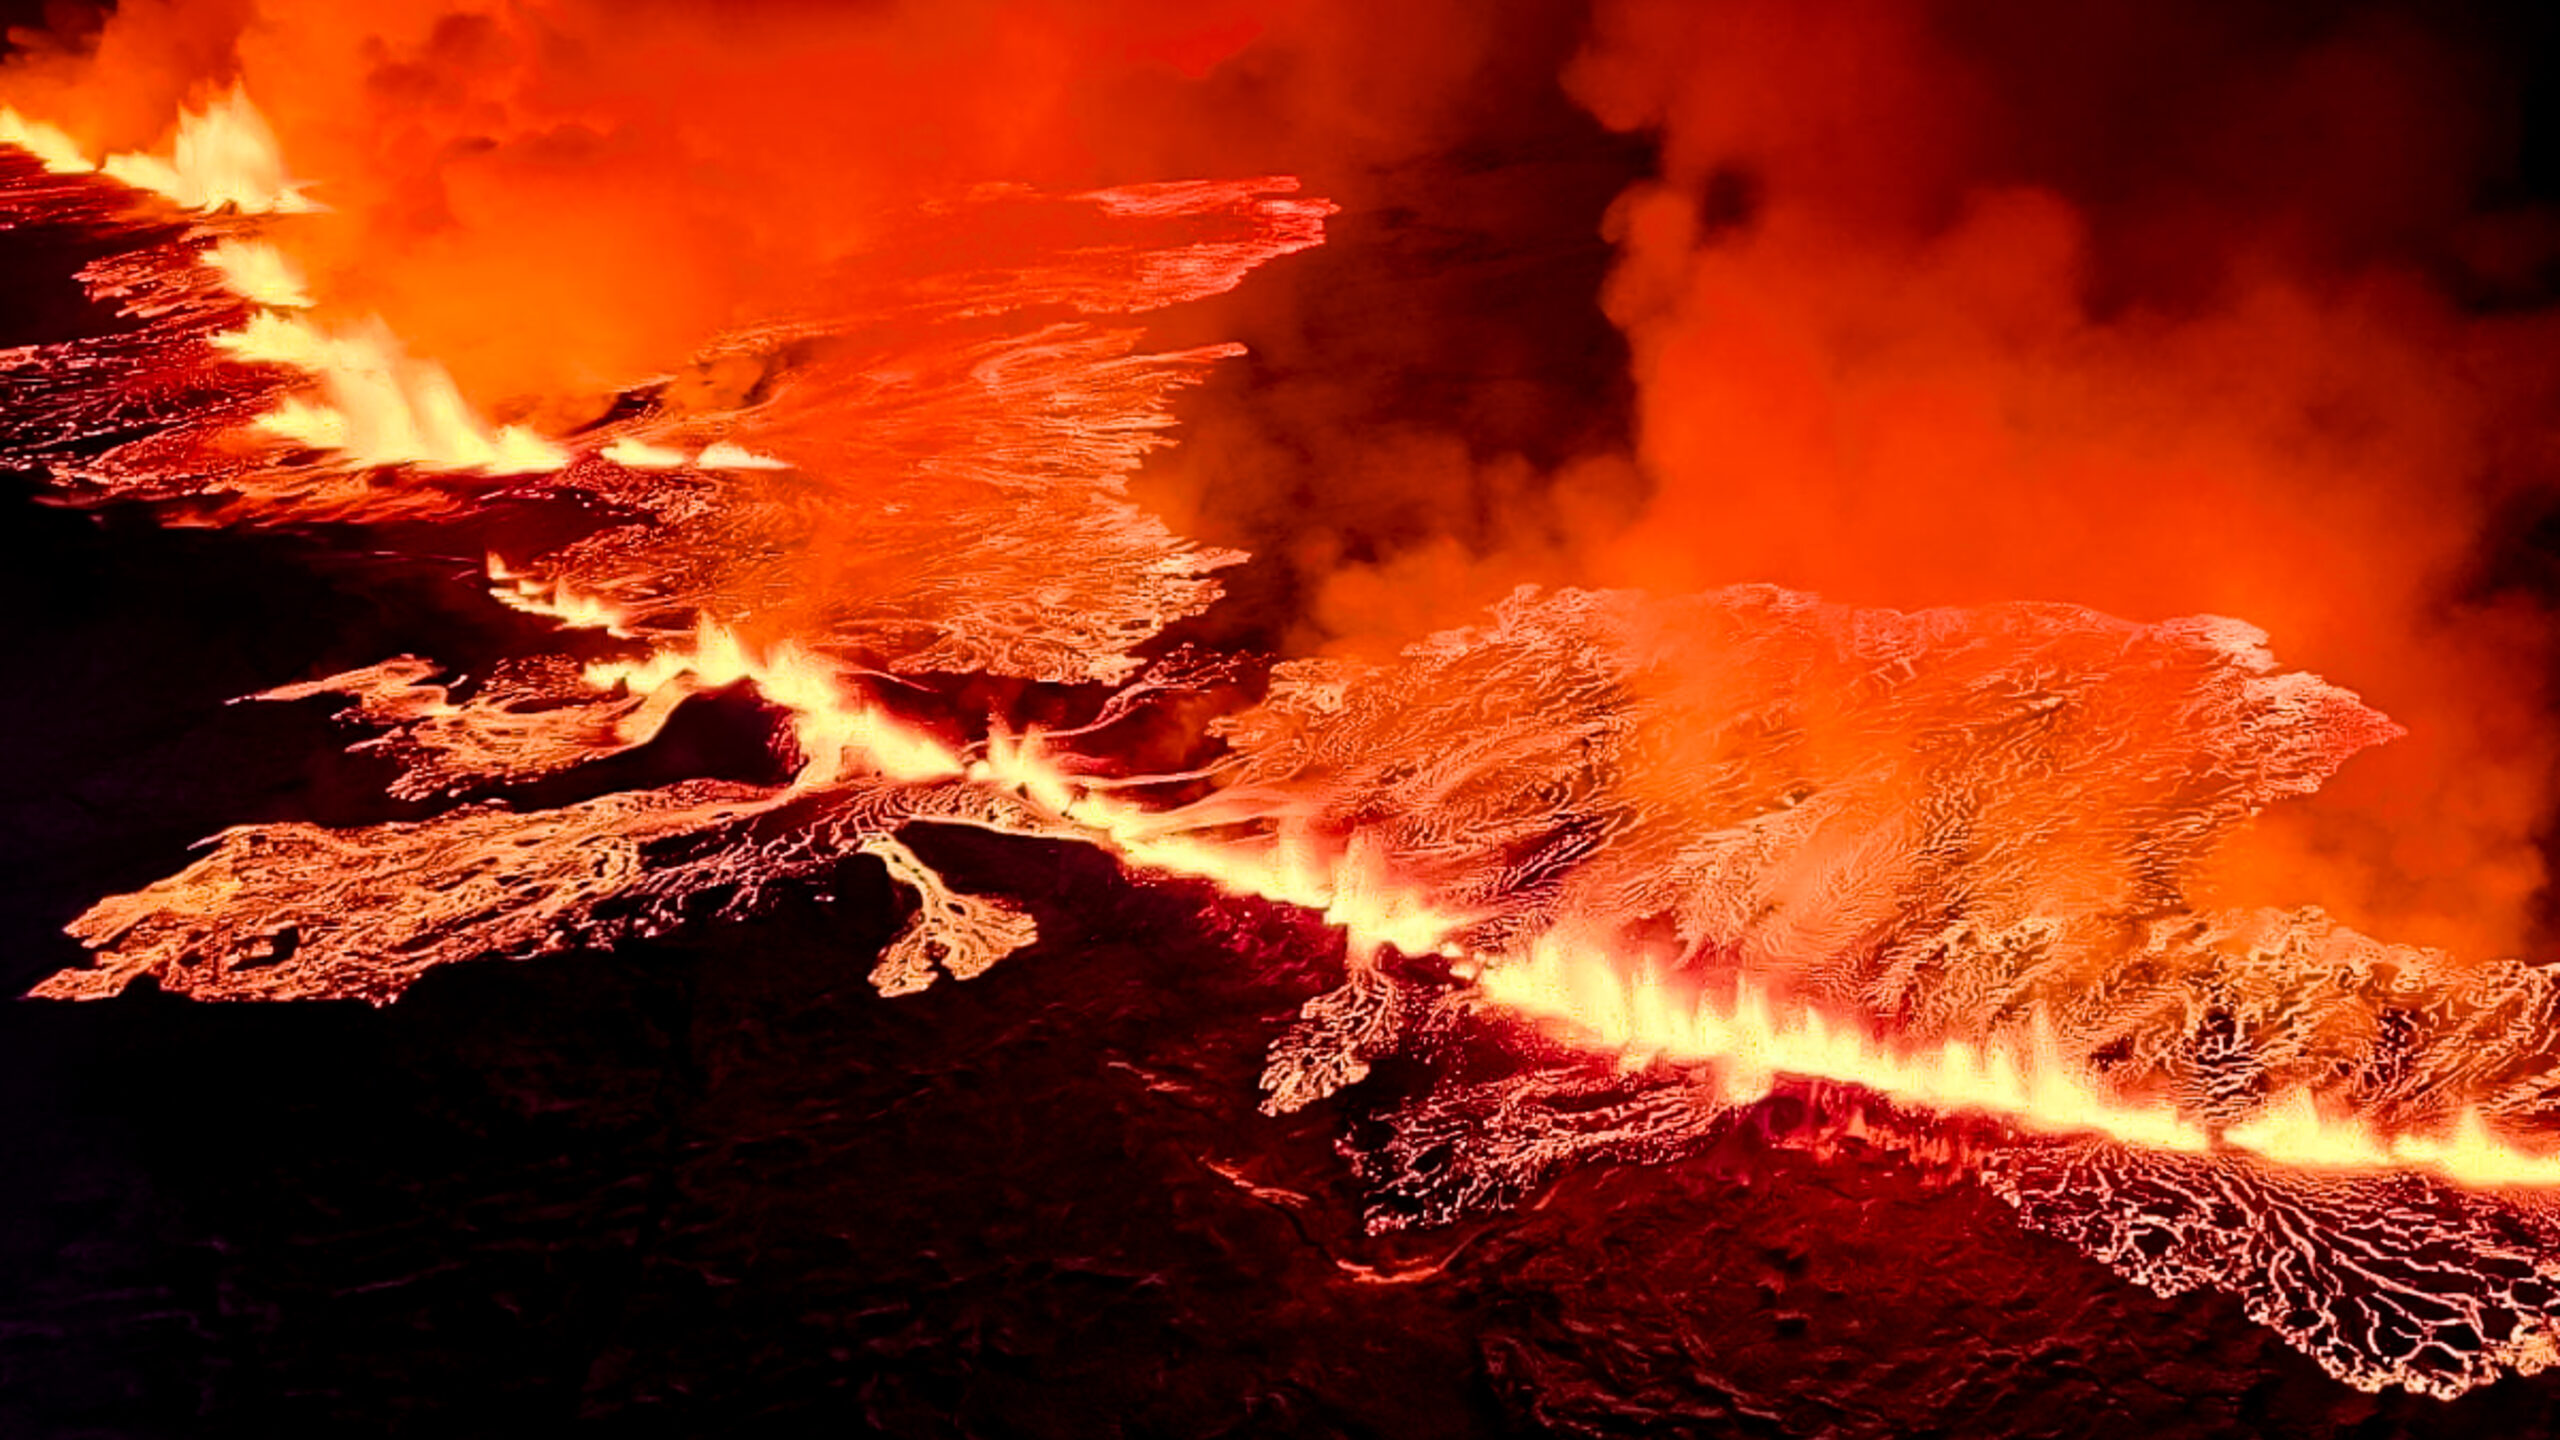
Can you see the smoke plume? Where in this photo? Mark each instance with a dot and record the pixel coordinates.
(2159, 310)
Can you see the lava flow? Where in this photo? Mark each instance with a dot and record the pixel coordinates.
(1675, 852)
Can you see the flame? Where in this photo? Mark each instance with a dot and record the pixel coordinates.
(260, 273)
(1351, 884)
(641, 455)
(2296, 1129)
(57, 151)
(1596, 1000)
(838, 728)
(222, 155)
(1578, 989)
(381, 405)
(841, 732)
(553, 601)
(374, 403)
(722, 455)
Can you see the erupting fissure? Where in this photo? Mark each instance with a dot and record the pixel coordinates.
(1717, 841)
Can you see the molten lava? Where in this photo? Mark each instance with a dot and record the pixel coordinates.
(1958, 858)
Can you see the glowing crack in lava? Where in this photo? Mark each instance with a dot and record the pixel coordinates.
(1671, 854)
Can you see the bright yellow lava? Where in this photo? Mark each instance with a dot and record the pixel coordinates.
(1591, 998)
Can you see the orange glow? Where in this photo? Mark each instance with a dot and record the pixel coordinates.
(1928, 318)
(835, 726)
(554, 600)
(258, 272)
(841, 732)
(1601, 1001)
(1896, 703)
(1590, 995)
(1349, 883)
(379, 404)
(222, 156)
(59, 152)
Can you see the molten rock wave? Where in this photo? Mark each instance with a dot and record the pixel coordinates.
(1616, 868)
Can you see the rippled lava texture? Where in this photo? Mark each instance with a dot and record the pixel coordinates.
(723, 1187)
(715, 1180)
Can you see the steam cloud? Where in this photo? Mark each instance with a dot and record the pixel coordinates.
(2214, 311)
